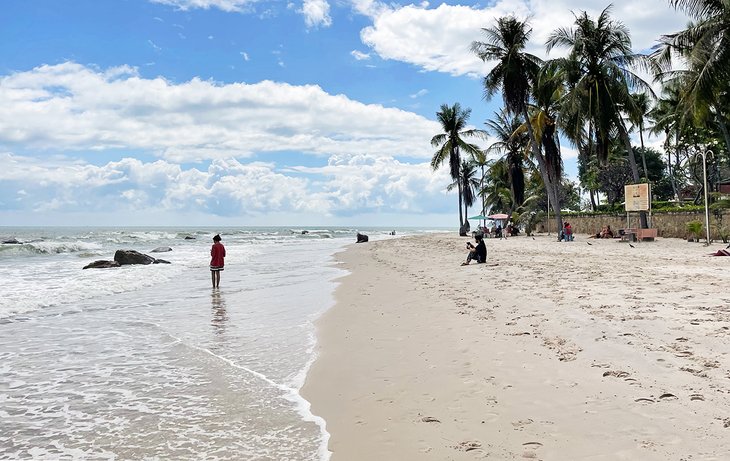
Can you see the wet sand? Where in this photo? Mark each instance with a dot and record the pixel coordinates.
(552, 351)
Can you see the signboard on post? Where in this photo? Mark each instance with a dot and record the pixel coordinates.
(637, 197)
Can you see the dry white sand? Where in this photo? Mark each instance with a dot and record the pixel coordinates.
(552, 351)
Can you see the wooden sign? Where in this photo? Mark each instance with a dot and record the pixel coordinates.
(637, 197)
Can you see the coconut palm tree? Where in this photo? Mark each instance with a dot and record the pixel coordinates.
(511, 146)
(600, 80)
(496, 191)
(514, 75)
(667, 118)
(705, 44)
(481, 162)
(469, 183)
(450, 144)
(637, 116)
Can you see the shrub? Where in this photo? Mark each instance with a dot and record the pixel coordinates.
(695, 229)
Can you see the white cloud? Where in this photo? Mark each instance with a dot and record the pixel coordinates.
(154, 46)
(70, 107)
(359, 55)
(225, 5)
(438, 39)
(245, 56)
(419, 93)
(316, 13)
(362, 183)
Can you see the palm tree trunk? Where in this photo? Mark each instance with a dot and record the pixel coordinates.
(481, 190)
(643, 152)
(634, 168)
(550, 187)
(461, 217)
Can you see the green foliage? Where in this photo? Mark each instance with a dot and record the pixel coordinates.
(656, 207)
(694, 228)
(723, 204)
(529, 220)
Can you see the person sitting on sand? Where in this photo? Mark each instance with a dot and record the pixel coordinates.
(567, 233)
(479, 252)
(606, 233)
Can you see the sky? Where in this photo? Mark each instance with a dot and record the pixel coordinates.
(250, 112)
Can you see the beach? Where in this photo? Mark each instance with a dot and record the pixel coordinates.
(550, 351)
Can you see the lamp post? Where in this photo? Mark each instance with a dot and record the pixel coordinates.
(705, 154)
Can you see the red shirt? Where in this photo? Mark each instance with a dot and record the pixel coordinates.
(217, 253)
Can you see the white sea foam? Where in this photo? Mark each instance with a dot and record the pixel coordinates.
(144, 362)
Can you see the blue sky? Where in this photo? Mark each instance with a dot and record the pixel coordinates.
(239, 112)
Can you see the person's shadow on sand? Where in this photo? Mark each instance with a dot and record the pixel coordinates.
(220, 316)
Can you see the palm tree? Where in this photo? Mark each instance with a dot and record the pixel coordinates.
(668, 119)
(705, 44)
(469, 184)
(510, 145)
(600, 81)
(496, 191)
(703, 49)
(453, 120)
(515, 74)
(482, 162)
(637, 117)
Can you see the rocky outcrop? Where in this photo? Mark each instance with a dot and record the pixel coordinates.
(161, 261)
(161, 250)
(361, 238)
(188, 237)
(124, 257)
(101, 264)
(12, 241)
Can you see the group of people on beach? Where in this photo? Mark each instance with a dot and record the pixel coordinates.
(478, 253)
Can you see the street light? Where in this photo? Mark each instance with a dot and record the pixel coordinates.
(704, 155)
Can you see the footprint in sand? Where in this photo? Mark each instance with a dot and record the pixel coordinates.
(668, 396)
(468, 445)
(532, 445)
(644, 400)
(430, 419)
(522, 423)
(616, 374)
(697, 397)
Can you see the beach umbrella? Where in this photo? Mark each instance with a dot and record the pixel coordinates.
(499, 216)
(478, 217)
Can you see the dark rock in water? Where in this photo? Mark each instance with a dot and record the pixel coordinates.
(161, 250)
(12, 241)
(361, 238)
(132, 257)
(187, 237)
(161, 261)
(101, 264)
(304, 232)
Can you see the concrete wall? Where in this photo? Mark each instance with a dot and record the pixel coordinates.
(668, 224)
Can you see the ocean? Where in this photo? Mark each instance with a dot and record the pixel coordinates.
(150, 362)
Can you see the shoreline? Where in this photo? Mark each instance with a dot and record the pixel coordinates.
(560, 351)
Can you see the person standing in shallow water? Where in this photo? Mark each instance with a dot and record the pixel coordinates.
(217, 254)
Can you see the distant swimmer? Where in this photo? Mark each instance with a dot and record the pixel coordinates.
(217, 254)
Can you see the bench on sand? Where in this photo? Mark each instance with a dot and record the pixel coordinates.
(643, 235)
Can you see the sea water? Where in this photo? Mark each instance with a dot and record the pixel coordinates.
(150, 362)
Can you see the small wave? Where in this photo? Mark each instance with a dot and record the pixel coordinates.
(50, 247)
